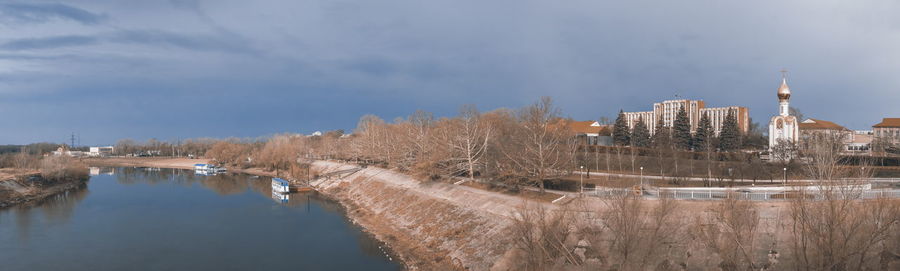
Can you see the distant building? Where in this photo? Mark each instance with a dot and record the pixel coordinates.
(591, 132)
(811, 127)
(667, 110)
(887, 132)
(861, 142)
(783, 127)
(63, 151)
(888, 128)
(101, 151)
(853, 141)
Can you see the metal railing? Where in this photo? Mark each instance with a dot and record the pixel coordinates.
(709, 194)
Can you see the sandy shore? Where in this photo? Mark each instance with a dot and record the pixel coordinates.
(161, 162)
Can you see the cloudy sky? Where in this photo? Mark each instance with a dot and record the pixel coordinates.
(178, 69)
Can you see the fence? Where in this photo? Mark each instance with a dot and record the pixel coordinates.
(709, 194)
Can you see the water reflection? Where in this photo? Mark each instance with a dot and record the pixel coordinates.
(97, 171)
(281, 197)
(222, 184)
(150, 218)
(55, 210)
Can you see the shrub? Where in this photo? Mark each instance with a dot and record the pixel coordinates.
(63, 168)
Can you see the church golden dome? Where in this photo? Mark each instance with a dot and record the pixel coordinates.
(784, 92)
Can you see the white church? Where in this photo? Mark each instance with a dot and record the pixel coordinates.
(784, 127)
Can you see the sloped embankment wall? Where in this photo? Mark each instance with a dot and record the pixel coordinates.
(431, 226)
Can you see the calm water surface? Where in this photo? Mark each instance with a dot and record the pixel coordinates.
(152, 219)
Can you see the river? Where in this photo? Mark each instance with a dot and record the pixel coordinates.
(166, 219)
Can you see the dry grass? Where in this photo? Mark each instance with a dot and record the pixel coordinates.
(525, 194)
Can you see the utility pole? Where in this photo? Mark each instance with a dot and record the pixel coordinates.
(72, 146)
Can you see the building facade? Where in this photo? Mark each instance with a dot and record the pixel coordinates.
(810, 127)
(101, 151)
(860, 142)
(591, 133)
(887, 132)
(783, 127)
(667, 110)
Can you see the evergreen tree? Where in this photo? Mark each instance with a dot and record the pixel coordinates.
(730, 135)
(640, 135)
(681, 130)
(662, 138)
(704, 134)
(621, 134)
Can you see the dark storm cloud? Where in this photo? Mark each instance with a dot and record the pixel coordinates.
(43, 12)
(48, 42)
(145, 69)
(183, 41)
(135, 37)
(32, 57)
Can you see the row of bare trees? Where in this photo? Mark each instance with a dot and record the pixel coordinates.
(526, 145)
(52, 168)
(631, 233)
(827, 226)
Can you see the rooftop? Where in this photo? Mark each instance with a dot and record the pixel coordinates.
(816, 124)
(588, 127)
(888, 123)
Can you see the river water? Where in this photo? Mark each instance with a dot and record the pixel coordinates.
(165, 219)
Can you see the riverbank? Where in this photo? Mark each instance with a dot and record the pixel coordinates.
(429, 226)
(160, 162)
(442, 226)
(25, 187)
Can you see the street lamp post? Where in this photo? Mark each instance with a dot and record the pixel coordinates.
(785, 176)
(862, 173)
(642, 178)
(582, 180)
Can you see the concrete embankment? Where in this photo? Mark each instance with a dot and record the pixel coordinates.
(432, 226)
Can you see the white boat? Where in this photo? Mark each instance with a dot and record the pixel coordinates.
(280, 186)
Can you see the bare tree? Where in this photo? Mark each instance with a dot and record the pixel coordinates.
(842, 234)
(541, 234)
(730, 231)
(371, 136)
(641, 233)
(822, 151)
(418, 143)
(471, 139)
(280, 152)
(538, 148)
(840, 231)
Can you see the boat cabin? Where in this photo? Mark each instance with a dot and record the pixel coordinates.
(280, 185)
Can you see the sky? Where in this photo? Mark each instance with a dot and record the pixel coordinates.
(170, 70)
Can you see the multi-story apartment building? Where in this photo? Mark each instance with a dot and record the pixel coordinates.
(667, 110)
